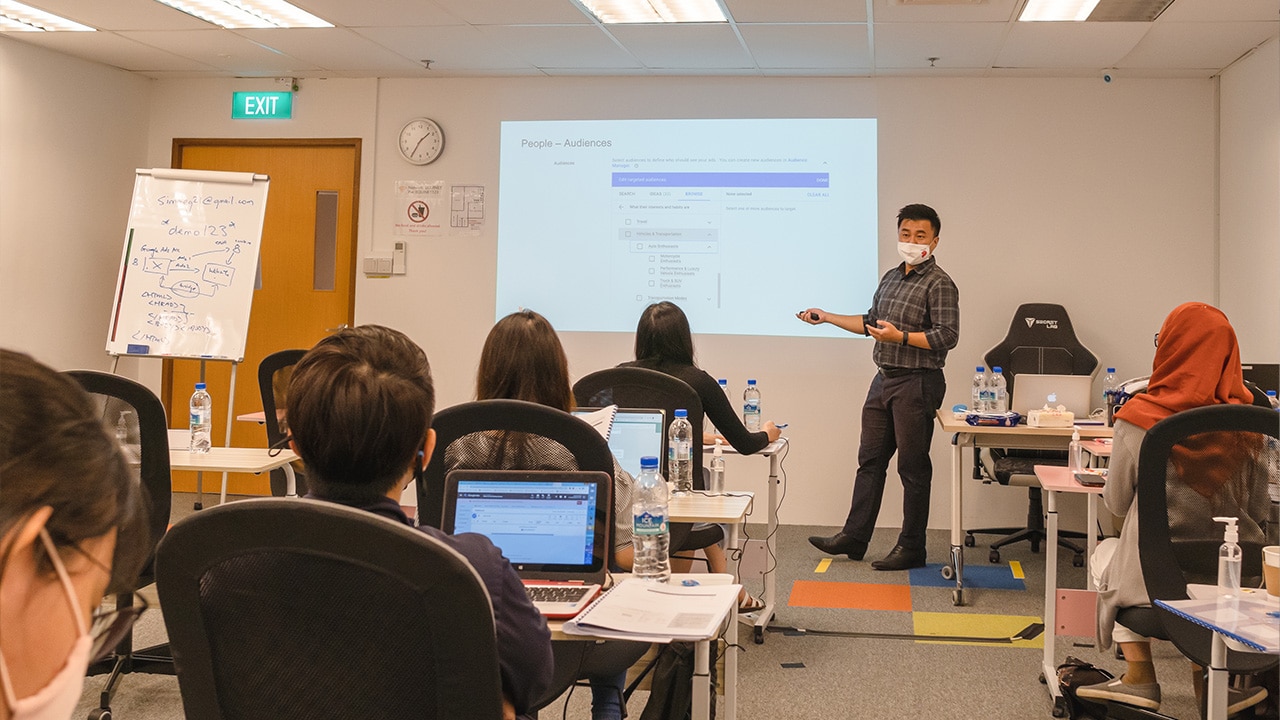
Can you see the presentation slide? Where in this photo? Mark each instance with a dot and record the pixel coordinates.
(741, 223)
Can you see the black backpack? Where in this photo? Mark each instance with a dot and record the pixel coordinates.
(1076, 673)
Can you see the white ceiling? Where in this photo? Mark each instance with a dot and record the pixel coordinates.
(389, 38)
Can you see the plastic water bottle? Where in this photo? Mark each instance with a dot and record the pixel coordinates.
(978, 395)
(999, 395)
(651, 536)
(1229, 559)
(1271, 398)
(1075, 452)
(201, 420)
(131, 449)
(717, 469)
(680, 452)
(1110, 394)
(751, 407)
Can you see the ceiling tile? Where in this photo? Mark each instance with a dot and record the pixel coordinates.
(112, 49)
(956, 45)
(563, 46)
(1069, 45)
(1221, 11)
(986, 11)
(811, 11)
(223, 49)
(707, 46)
(451, 49)
(516, 12)
(122, 14)
(1197, 45)
(382, 13)
(333, 49)
(808, 46)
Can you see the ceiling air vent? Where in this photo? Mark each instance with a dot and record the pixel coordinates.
(1128, 10)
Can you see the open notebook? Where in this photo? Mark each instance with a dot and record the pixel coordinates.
(551, 525)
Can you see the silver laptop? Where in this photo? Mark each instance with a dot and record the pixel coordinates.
(551, 525)
(1032, 392)
(636, 432)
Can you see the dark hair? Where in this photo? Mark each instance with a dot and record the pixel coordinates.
(662, 335)
(359, 406)
(55, 451)
(916, 211)
(523, 359)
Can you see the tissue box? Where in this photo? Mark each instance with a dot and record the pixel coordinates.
(1048, 417)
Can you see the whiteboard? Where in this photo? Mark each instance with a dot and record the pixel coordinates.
(189, 263)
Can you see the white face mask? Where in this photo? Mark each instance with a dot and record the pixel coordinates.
(57, 699)
(914, 254)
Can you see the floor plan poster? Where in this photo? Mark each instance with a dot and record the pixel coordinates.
(466, 209)
(421, 208)
(187, 270)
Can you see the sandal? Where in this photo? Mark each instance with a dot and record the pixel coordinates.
(750, 604)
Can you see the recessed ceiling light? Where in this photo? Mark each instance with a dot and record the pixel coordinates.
(14, 16)
(1057, 10)
(654, 11)
(248, 13)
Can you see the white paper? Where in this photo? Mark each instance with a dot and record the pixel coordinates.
(656, 612)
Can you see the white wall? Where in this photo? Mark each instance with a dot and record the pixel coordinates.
(71, 135)
(1100, 197)
(1250, 192)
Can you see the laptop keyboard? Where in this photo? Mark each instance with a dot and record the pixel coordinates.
(556, 593)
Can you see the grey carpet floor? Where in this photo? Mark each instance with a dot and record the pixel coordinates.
(809, 676)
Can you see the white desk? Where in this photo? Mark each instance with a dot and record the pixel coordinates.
(765, 615)
(228, 460)
(703, 653)
(1056, 479)
(1021, 437)
(1241, 625)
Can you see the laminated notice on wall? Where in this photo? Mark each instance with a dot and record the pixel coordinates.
(421, 208)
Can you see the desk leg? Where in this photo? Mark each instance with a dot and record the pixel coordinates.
(1091, 541)
(1217, 701)
(199, 491)
(702, 680)
(765, 616)
(730, 679)
(291, 482)
(955, 568)
(222, 496)
(1047, 667)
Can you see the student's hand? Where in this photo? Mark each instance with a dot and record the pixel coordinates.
(709, 438)
(772, 430)
(885, 332)
(809, 314)
(508, 710)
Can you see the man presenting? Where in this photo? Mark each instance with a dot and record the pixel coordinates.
(915, 320)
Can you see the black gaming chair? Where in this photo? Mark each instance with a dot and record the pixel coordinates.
(1041, 340)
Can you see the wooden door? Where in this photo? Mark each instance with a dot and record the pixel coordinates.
(307, 279)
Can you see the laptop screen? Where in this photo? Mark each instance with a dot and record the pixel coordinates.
(636, 433)
(543, 522)
(1032, 392)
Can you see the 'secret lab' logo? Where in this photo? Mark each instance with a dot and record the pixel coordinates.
(1048, 324)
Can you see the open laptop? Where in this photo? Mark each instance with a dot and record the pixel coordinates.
(1073, 392)
(636, 432)
(551, 525)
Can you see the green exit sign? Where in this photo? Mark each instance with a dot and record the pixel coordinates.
(261, 106)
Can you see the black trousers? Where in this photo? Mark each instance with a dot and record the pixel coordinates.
(898, 416)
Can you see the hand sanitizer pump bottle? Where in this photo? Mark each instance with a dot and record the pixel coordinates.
(1229, 559)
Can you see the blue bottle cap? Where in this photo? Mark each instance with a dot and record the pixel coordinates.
(751, 382)
(979, 368)
(682, 413)
(1111, 370)
(723, 381)
(996, 369)
(648, 461)
(199, 386)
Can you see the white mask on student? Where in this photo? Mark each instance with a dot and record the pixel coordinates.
(913, 254)
(57, 699)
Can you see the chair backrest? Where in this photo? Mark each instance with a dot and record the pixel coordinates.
(1041, 340)
(273, 383)
(297, 609)
(589, 450)
(634, 387)
(130, 409)
(1177, 538)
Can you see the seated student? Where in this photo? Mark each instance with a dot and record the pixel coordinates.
(72, 526)
(1197, 363)
(664, 343)
(360, 406)
(523, 359)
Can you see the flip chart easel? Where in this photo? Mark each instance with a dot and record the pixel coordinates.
(187, 271)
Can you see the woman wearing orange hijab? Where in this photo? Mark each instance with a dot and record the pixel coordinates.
(1197, 363)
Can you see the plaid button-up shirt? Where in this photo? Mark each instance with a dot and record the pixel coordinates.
(922, 301)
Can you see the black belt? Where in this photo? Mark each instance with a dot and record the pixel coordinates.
(892, 372)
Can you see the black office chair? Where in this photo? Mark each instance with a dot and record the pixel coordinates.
(634, 387)
(1177, 538)
(146, 438)
(273, 383)
(298, 609)
(1045, 345)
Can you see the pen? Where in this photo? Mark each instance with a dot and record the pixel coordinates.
(782, 426)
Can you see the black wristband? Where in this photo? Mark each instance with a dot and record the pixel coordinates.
(904, 337)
